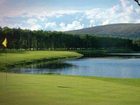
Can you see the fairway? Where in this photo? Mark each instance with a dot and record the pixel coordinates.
(20, 89)
(7, 59)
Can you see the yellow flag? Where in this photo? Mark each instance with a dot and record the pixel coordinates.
(4, 43)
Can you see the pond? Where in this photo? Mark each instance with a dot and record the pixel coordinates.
(100, 67)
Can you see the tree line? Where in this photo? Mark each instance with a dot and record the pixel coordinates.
(41, 40)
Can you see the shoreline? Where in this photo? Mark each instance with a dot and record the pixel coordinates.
(34, 57)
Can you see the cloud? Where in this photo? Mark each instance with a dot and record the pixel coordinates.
(32, 24)
(126, 11)
(31, 21)
(72, 26)
(50, 26)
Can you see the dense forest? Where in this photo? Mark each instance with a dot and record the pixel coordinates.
(43, 40)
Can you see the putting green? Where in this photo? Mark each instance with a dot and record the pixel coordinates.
(21, 89)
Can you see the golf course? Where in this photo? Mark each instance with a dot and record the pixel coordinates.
(27, 89)
(69, 52)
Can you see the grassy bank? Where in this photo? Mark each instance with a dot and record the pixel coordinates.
(20, 89)
(14, 58)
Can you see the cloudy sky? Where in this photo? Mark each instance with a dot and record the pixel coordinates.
(62, 15)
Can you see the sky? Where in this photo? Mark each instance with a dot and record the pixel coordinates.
(64, 15)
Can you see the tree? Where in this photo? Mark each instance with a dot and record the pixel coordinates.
(39, 40)
(137, 2)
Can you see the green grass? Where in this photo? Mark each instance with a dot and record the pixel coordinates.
(21, 89)
(31, 56)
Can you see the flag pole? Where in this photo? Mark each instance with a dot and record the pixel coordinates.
(4, 43)
(6, 63)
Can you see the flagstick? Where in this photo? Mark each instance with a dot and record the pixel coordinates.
(4, 43)
(5, 72)
(6, 64)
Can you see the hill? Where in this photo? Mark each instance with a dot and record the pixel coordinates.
(129, 31)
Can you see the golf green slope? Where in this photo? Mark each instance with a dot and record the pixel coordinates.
(7, 59)
(23, 89)
(20, 89)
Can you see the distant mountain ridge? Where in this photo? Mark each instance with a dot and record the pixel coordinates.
(127, 30)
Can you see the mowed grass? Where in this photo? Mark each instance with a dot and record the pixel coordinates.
(24, 89)
(21, 89)
(31, 56)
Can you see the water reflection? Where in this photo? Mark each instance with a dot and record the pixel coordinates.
(51, 65)
(44, 67)
(102, 67)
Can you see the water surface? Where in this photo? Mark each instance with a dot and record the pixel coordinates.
(100, 67)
